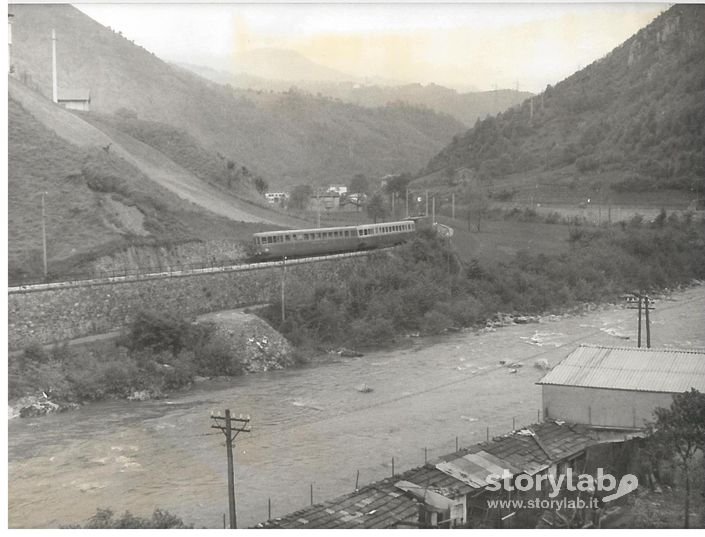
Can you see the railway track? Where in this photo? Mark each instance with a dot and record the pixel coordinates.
(29, 288)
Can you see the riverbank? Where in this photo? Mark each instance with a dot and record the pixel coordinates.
(309, 424)
(156, 356)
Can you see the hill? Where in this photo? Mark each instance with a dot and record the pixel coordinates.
(466, 107)
(288, 138)
(633, 120)
(96, 203)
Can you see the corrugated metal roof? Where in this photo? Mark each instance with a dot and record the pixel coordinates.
(74, 94)
(383, 504)
(527, 451)
(378, 505)
(648, 370)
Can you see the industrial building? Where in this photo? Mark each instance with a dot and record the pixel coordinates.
(619, 388)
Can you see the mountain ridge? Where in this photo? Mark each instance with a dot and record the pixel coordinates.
(633, 120)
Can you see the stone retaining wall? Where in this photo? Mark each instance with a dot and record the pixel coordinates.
(54, 315)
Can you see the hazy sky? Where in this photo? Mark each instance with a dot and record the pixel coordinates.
(457, 45)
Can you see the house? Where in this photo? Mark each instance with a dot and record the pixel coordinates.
(75, 99)
(607, 387)
(276, 197)
(341, 190)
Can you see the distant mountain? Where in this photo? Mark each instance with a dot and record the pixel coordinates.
(288, 138)
(634, 119)
(282, 64)
(467, 107)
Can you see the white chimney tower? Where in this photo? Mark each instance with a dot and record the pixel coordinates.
(9, 42)
(54, 87)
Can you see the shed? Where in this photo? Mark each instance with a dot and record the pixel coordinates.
(619, 387)
(75, 99)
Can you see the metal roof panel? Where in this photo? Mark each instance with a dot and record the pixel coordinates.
(650, 370)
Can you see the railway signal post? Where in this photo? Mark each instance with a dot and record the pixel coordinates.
(231, 427)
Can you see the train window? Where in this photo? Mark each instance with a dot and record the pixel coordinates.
(287, 238)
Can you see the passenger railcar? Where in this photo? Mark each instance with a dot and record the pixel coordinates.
(329, 240)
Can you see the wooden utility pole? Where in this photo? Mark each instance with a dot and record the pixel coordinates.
(318, 208)
(638, 302)
(407, 203)
(638, 343)
(44, 237)
(648, 328)
(433, 204)
(230, 427)
(283, 285)
(452, 205)
(394, 195)
(54, 83)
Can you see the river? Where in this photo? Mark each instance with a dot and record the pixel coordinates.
(309, 425)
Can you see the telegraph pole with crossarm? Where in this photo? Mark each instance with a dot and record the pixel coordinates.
(640, 302)
(231, 427)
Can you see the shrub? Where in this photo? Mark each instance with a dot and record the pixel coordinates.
(159, 332)
(371, 332)
(217, 357)
(104, 519)
(435, 322)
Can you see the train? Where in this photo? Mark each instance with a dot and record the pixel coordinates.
(292, 243)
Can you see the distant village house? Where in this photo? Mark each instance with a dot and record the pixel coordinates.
(276, 197)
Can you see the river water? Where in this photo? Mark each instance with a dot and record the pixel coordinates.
(309, 425)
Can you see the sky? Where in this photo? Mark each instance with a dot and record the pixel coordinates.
(470, 45)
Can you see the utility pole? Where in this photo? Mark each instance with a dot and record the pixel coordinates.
(648, 328)
(638, 302)
(407, 203)
(283, 284)
(54, 83)
(433, 204)
(230, 427)
(638, 344)
(426, 203)
(318, 208)
(452, 205)
(394, 195)
(44, 237)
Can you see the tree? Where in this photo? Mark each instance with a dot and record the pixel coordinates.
(681, 429)
(477, 203)
(398, 184)
(376, 208)
(300, 196)
(261, 185)
(359, 184)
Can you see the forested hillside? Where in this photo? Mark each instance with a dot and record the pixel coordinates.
(634, 120)
(287, 138)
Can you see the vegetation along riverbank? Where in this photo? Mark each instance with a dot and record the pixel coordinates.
(423, 287)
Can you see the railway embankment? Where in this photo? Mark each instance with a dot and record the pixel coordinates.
(59, 312)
